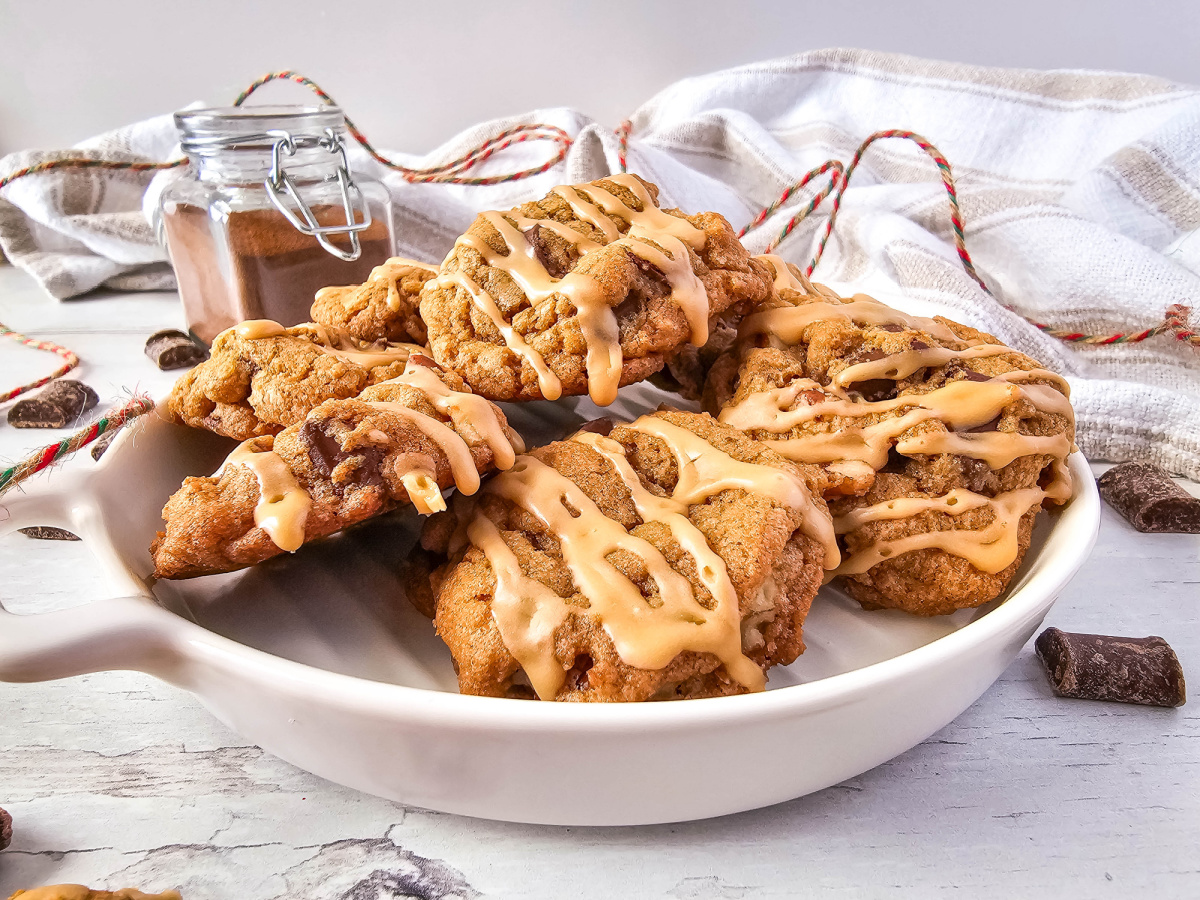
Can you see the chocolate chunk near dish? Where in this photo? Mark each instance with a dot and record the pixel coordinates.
(581, 292)
(48, 533)
(101, 444)
(1104, 667)
(665, 558)
(401, 441)
(940, 443)
(57, 406)
(172, 349)
(1149, 500)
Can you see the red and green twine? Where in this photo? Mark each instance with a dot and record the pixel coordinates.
(1175, 320)
(451, 172)
(71, 361)
(48, 456)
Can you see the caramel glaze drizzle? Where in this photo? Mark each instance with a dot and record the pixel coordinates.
(391, 270)
(328, 339)
(471, 415)
(785, 325)
(646, 634)
(785, 278)
(961, 405)
(283, 504)
(655, 236)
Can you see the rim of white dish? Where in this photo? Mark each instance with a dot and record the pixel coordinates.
(201, 646)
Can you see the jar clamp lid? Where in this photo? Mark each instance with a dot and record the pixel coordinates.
(211, 131)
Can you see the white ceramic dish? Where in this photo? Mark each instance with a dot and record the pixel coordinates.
(320, 660)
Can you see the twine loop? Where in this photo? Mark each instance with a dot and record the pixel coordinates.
(71, 361)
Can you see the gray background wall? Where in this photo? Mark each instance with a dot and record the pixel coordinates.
(412, 74)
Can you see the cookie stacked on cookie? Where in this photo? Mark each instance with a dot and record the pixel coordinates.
(589, 289)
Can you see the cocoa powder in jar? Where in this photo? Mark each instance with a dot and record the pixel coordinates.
(254, 264)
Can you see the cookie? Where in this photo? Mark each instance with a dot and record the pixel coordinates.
(81, 892)
(383, 308)
(670, 558)
(940, 443)
(263, 377)
(583, 291)
(403, 440)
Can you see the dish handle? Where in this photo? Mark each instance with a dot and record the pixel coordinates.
(100, 635)
(103, 635)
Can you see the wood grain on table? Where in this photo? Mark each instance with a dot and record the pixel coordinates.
(118, 780)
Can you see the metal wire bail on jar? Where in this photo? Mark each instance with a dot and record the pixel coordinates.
(281, 188)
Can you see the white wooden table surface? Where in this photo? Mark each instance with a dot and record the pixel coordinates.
(118, 780)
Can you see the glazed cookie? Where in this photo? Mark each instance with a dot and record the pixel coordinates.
(383, 308)
(262, 377)
(940, 443)
(583, 291)
(81, 892)
(667, 558)
(404, 440)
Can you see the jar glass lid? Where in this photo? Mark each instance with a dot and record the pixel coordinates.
(216, 128)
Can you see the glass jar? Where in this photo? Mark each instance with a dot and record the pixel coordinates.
(267, 214)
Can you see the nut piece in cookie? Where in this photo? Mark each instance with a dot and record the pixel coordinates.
(671, 558)
(383, 308)
(939, 442)
(262, 377)
(583, 291)
(403, 440)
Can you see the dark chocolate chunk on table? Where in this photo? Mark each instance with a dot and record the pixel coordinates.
(1104, 667)
(48, 533)
(57, 406)
(1147, 497)
(172, 349)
